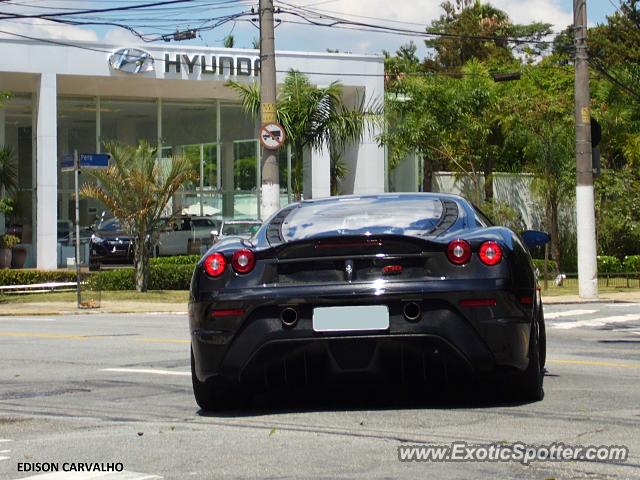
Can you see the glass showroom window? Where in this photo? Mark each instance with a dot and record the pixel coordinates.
(16, 134)
(239, 179)
(189, 129)
(76, 131)
(129, 121)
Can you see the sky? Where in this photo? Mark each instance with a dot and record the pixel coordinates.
(412, 14)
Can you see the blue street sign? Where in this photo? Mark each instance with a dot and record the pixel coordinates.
(86, 160)
(67, 162)
(94, 160)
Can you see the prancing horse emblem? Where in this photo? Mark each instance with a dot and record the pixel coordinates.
(348, 270)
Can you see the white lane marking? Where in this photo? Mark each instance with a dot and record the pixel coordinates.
(5, 451)
(568, 313)
(124, 475)
(149, 371)
(596, 322)
(5, 440)
(2, 459)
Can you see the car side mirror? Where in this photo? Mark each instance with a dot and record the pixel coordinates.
(535, 238)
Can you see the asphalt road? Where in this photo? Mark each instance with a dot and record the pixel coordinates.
(116, 389)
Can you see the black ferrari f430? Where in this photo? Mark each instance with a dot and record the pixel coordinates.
(390, 285)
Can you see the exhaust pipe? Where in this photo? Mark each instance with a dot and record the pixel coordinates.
(412, 311)
(289, 317)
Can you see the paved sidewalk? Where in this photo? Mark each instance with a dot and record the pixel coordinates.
(632, 296)
(133, 306)
(108, 306)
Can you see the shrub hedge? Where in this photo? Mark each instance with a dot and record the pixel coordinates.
(608, 264)
(178, 260)
(161, 277)
(10, 276)
(552, 266)
(631, 263)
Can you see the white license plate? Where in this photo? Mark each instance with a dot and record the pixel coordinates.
(353, 318)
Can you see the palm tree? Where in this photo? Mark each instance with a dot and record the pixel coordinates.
(136, 189)
(8, 171)
(312, 117)
(8, 182)
(229, 41)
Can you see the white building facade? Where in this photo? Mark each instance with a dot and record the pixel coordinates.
(67, 98)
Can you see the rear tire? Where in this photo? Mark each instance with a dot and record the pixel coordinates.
(528, 384)
(214, 395)
(543, 339)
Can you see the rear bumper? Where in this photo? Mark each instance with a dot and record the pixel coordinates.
(478, 339)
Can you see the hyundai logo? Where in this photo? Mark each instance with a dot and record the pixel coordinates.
(131, 60)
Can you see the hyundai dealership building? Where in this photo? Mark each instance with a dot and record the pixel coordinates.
(75, 97)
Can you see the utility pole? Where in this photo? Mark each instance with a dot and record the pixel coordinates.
(585, 208)
(270, 188)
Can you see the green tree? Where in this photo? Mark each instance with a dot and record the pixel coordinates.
(136, 189)
(616, 105)
(618, 212)
(312, 117)
(540, 122)
(404, 62)
(450, 122)
(471, 29)
(616, 41)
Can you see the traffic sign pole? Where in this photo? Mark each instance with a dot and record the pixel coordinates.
(76, 170)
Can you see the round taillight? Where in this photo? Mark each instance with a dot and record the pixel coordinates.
(459, 252)
(215, 264)
(490, 253)
(243, 261)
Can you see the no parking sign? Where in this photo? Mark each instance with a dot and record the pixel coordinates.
(272, 136)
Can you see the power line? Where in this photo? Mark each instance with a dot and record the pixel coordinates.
(617, 7)
(361, 26)
(613, 80)
(207, 25)
(334, 74)
(95, 10)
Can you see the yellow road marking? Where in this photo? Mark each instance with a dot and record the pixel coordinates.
(162, 340)
(56, 336)
(594, 363)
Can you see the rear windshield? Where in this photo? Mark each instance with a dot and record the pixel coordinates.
(405, 215)
(111, 225)
(240, 228)
(202, 223)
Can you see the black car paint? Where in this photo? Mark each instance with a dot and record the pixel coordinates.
(110, 246)
(482, 339)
